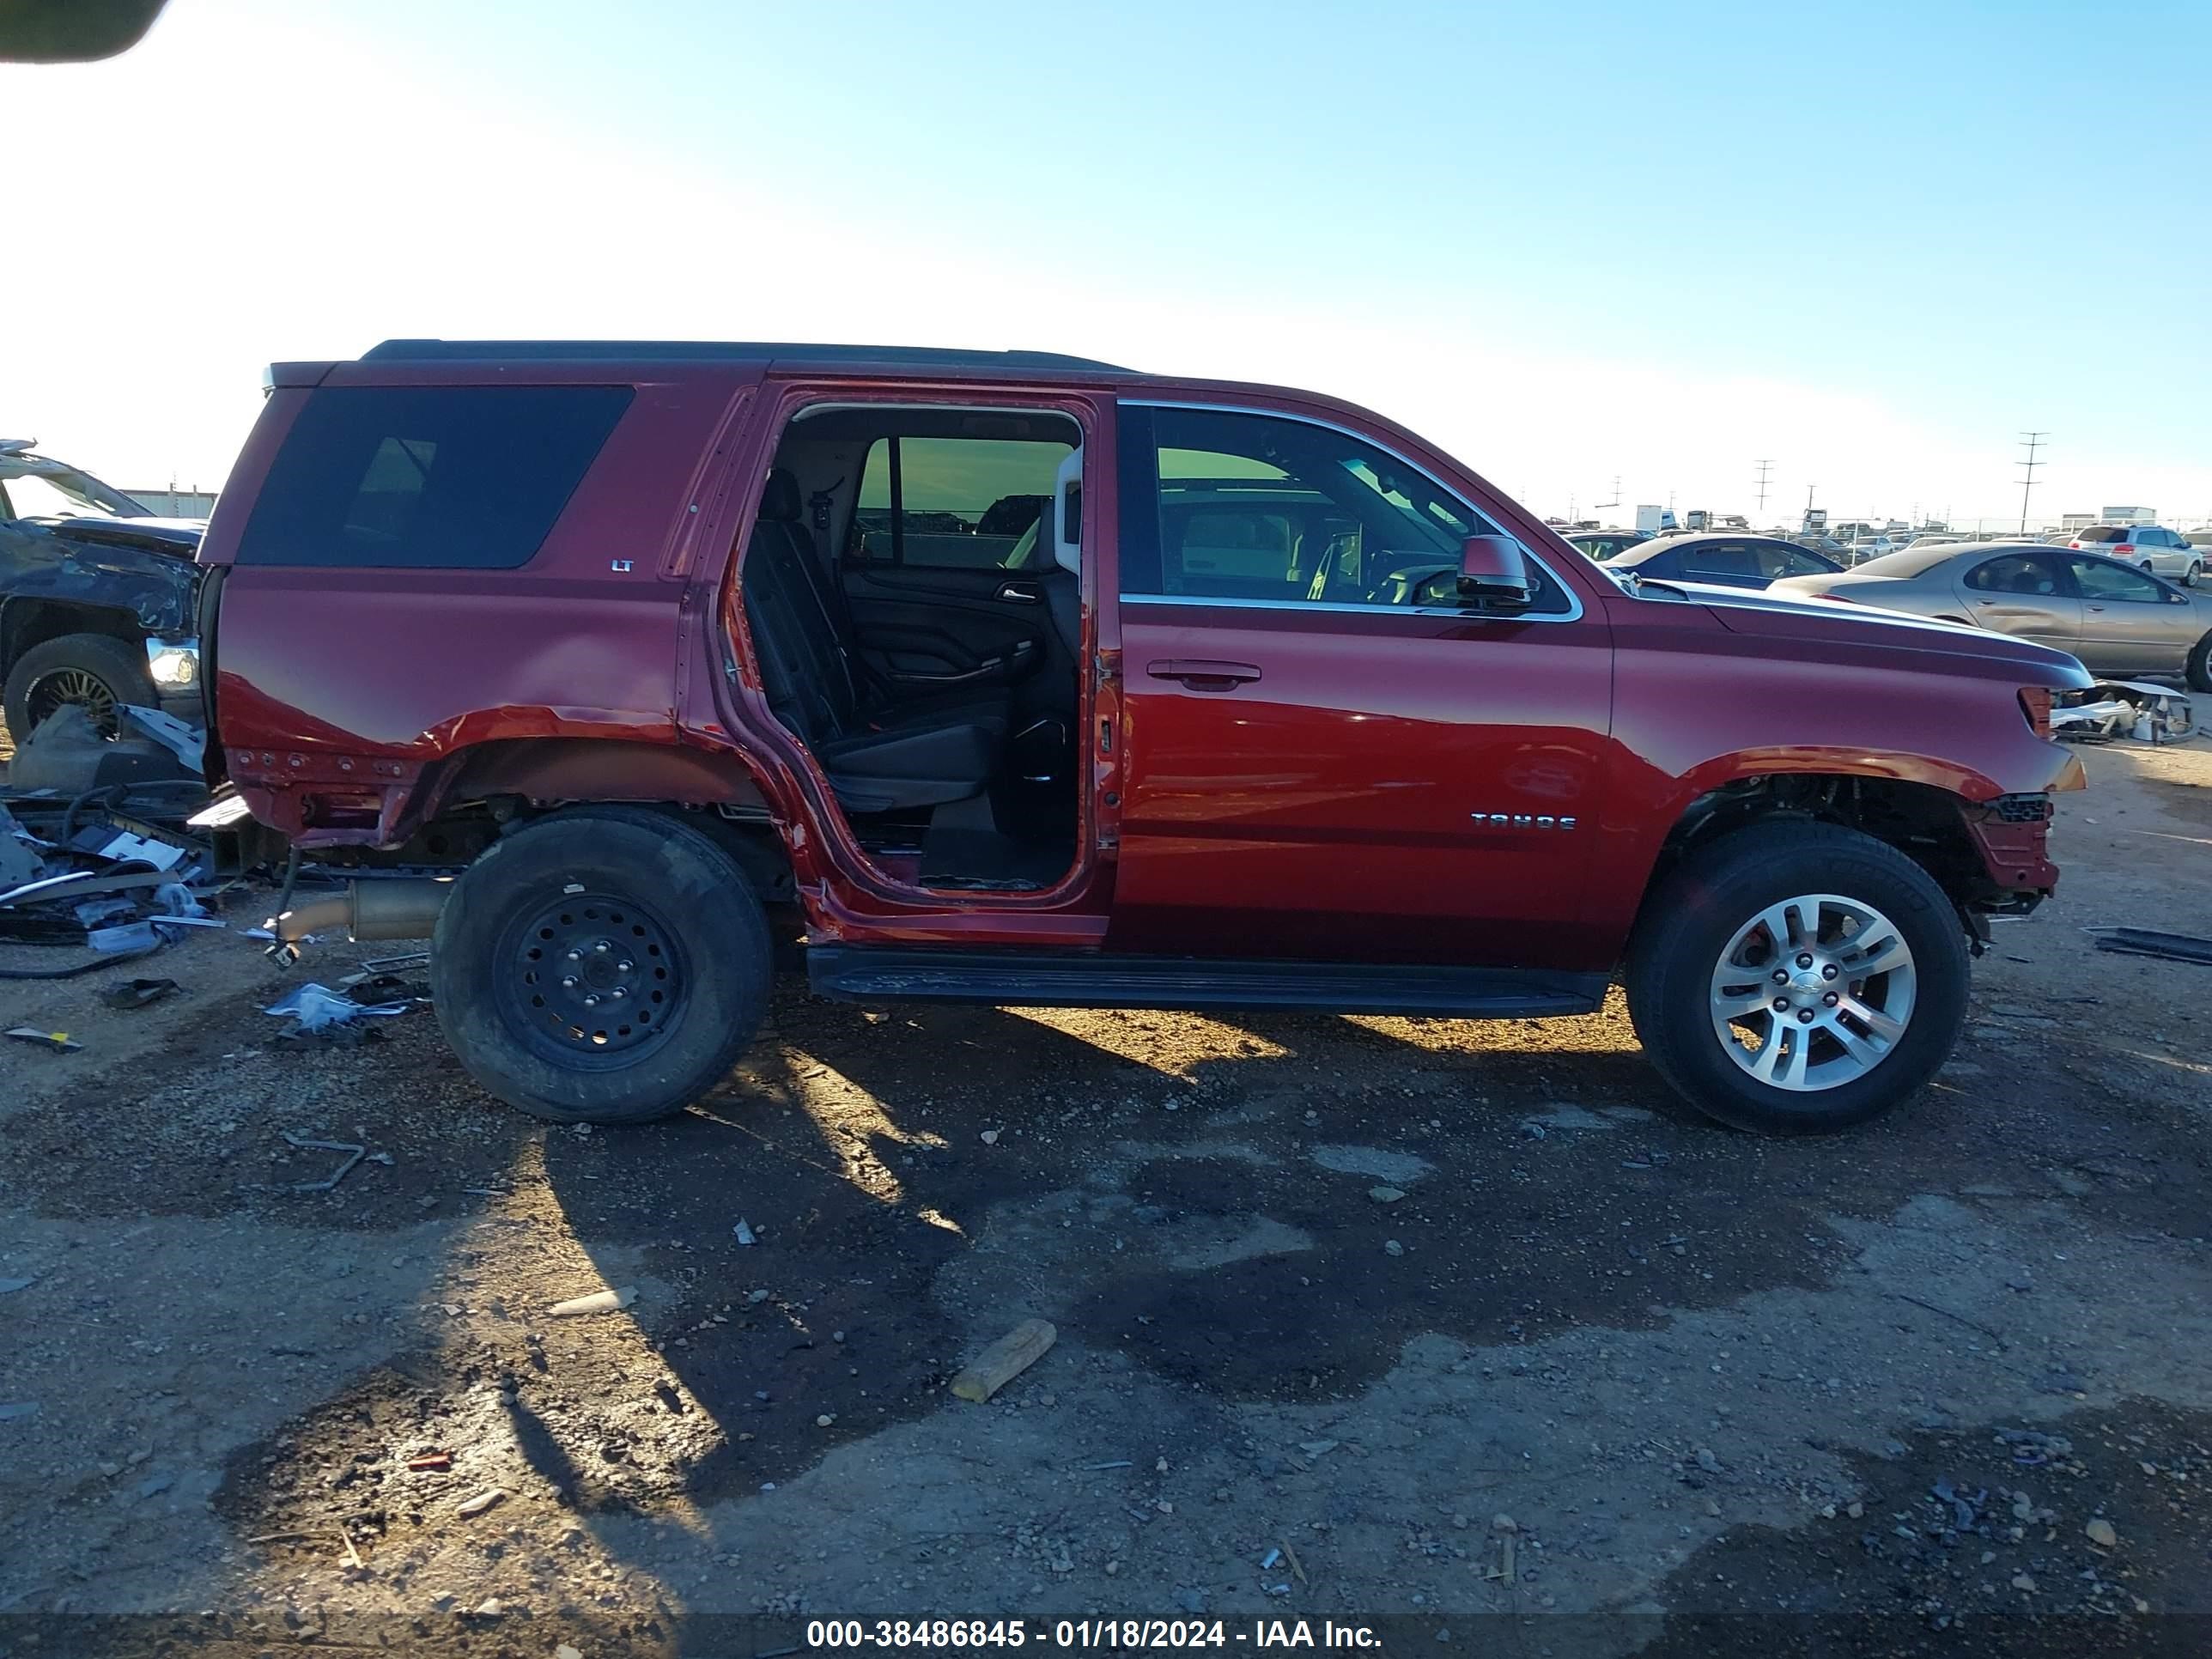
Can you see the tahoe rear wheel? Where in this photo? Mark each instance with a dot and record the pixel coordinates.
(1798, 977)
(605, 965)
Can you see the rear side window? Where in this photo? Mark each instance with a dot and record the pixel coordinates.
(952, 503)
(428, 478)
(2102, 533)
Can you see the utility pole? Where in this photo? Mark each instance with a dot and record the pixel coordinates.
(2030, 441)
(1615, 502)
(1765, 467)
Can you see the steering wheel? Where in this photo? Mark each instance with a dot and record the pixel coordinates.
(1428, 582)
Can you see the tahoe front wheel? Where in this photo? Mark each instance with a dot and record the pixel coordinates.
(1798, 978)
(604, 965)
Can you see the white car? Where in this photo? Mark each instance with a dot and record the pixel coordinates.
(1863, 548)
(2148, 547)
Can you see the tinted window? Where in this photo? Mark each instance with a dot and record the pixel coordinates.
(2017, 572)
(955, 503)
(1779, 560)
(1602, 548)
(1720, 559)
(415, 477)
(2103, 582)
(2101, 532)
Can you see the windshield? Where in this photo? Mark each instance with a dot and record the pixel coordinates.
(33, 487)
(2102, 533)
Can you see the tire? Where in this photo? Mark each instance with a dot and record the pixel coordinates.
(2199, 667)
(1704, 907)
(96, 670)
(2188, 577)
(640, 903)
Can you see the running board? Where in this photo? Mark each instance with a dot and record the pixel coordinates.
(854, 973)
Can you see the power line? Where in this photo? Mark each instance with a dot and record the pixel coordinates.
(2030, 441)
(1765, 467)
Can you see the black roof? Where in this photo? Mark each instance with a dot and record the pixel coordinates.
(530, 351)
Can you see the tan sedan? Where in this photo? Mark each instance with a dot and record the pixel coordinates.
(2116, 620)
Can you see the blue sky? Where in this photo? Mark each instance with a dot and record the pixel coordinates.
(1568, 242)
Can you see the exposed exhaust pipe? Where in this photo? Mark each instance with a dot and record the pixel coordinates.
(369, 909)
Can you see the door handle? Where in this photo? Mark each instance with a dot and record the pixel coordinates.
(1015, 593)
(1201, 674)
(2098, 609)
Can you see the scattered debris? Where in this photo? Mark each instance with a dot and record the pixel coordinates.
(598, 1302)
(60, 1042)
(990, 1137)
(2126, 708)
(482, 1501)
(9, 1285)
(315, 1008)
(2147, 942)
(1268, 1562)
(2100, 1532)
(429, 1461)
(1317, 1448)
(354, 1155)
(1386, 1195)
(1005, 1360)
(1111, 1463)
(1392, 1247)
(19, 1408)
(489, 1607)
(744, 1233)
(137, 993)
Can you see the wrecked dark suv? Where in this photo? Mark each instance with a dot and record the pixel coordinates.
(98, 597)
(1015, 678)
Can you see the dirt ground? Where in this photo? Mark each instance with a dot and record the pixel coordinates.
(1469, 1331)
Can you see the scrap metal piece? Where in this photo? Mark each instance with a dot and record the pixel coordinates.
(354, 1155)
(185, 741)
(60, 1042)
(2148, 942)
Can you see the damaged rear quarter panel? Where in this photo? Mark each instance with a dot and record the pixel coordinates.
(42, 562)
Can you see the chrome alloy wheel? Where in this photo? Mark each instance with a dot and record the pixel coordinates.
(1813, 992)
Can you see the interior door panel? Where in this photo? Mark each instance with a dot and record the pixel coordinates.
(928, 620)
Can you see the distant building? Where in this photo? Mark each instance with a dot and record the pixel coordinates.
(2076, 520)
(2127, 515)
(173, 503)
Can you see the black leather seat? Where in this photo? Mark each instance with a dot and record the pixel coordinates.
(883, 749)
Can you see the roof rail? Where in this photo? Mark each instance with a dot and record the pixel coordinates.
(721, 351)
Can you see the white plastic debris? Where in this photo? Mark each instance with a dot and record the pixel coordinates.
(744, 1233)
(129, 937)
(315, 1006)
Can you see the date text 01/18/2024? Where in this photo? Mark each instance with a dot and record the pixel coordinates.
(1103, 1633)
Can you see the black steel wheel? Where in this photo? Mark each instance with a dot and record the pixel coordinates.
(591, 979)
(607, 965)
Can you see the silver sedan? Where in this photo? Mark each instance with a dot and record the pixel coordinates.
(2116, 620)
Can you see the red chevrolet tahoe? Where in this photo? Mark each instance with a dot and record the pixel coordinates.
(1018, 679)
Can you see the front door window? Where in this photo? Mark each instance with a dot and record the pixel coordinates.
(1265, 509)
